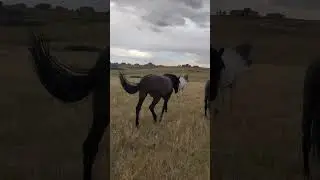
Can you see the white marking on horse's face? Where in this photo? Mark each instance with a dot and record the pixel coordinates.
(183, 83)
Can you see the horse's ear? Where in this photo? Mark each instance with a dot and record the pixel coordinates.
(221, 51)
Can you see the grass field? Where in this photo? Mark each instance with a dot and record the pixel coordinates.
(261, 138)
(176, 148)
(41, 138)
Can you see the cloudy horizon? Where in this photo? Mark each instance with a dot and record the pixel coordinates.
(291, 8)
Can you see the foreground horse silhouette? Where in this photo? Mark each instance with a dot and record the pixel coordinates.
(158, 86)
(211, 87)
(311, 115)
(71, 85)
(235, 60)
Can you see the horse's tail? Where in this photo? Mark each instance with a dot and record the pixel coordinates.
(62, 82)
(127, 86)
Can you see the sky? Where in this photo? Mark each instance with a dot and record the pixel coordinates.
(176, 31)
(162, 32)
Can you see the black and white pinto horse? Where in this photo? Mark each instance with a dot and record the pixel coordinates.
(235, 62)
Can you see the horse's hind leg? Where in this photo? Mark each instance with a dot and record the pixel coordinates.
(152, 105)
(138, 107)
(205, 106)
(90, 147)
(166, 102)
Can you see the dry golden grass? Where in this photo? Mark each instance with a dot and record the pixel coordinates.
(261, 138)
(176, 148)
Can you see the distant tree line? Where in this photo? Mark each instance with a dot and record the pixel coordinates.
(248, 12)
(45, 6)
(20, 13)
(148, 65)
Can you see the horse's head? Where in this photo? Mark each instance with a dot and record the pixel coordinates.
(244, 51)
(216, 62)
(175, 81)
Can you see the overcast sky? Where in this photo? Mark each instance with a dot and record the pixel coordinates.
(172, 32)
(167, 32)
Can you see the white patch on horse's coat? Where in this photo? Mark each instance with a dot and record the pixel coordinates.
(183, 83)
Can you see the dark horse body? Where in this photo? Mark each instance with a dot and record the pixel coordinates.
(71, 85)
(311, 114)
(158, 86)
(206, 96)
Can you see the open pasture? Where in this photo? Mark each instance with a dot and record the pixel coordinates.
(261, 139)
(176, 148)
(40, 137)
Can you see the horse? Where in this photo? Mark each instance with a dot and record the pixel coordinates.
(158, 86)
(310, 115)
(206, 96)
(236, 61)
(183, 82)
(216, 68)
(72, 85)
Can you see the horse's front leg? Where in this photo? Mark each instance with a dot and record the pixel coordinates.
(165, 105)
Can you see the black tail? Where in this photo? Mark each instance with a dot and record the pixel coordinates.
(62, 82)
(127, 86)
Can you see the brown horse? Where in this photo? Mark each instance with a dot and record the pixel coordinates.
(158, 86)
(72, 85)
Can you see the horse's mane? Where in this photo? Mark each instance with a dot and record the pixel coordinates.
(173, 77)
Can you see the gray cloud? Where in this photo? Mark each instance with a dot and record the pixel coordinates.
(172, 13)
